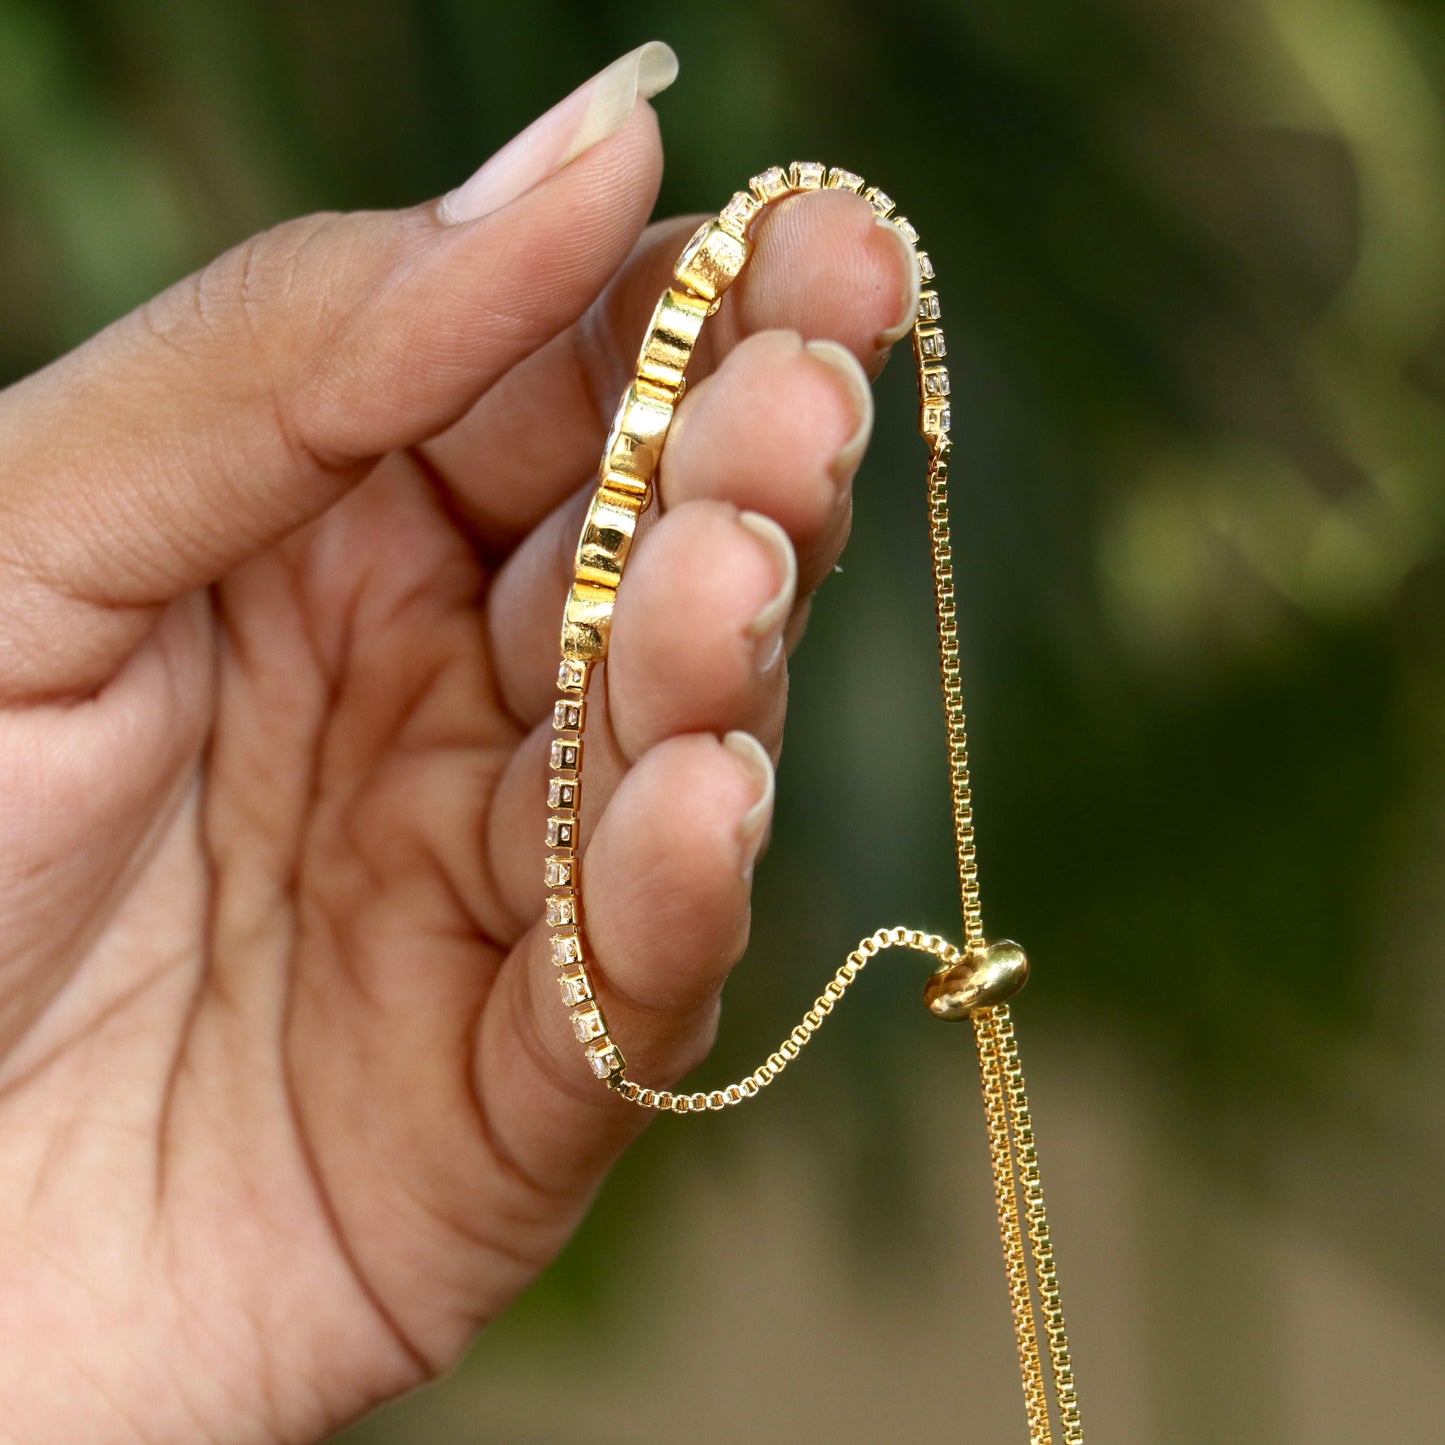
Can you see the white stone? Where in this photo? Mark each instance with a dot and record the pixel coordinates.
(566, 949)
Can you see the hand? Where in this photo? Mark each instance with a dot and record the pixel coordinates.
(288, 1100)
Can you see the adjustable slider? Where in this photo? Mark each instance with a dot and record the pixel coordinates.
(990, 976)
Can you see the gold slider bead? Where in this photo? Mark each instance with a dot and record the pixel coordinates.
(981, 980)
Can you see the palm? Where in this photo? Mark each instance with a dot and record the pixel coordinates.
(285, 1101)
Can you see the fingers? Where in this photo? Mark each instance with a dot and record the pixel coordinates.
(823, 266)
(218, 418)
(779, 431)
(696, 648)
(665, 894)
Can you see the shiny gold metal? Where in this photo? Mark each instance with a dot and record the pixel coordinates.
(634, 444)
(670, 340)
(587, 622)
(981, 980)
(711, 261)
(973, 981)
(607, 537)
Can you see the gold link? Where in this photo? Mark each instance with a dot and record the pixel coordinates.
(711, 261)
(587, 621)
(606, 537)
(634, 444)
(670, 339)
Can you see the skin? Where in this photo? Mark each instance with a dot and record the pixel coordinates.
(289, 1106)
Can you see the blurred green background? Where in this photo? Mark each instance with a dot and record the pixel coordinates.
(1192, 258)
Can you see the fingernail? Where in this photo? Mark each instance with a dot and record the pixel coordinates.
(766, 629)
(755, 821)
(860, 397)
(591, 113)
(909, 314)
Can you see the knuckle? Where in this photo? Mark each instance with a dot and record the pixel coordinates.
(243, 316)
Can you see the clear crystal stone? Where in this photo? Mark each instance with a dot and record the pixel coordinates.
(559, 873)
(805, 175)
(770, 185)
(928, 307)
(565, 754)
(587, 1025)
(841, 180)
(571, 675)
(566, 949)
(882, 203)
(567, 716)
(561, 832)
(925, 266)
(604, 1059)
(562, 793)
(575, 987)
(906, 226)
(561, 911)
(739, 211)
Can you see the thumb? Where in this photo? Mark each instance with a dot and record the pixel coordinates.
(244, 401)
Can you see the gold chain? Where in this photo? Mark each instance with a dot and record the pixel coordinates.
(972, 982)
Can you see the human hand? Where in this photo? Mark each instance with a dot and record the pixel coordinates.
(288, 1100)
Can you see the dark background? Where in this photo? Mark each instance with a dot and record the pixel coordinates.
(1192, 259)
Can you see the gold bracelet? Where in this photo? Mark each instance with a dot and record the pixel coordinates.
(972, 982)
